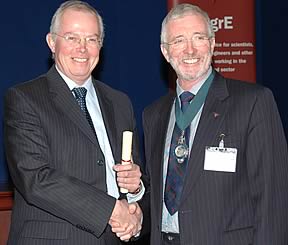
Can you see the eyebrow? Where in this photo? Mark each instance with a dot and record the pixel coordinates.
(195, 33)
(75, 33)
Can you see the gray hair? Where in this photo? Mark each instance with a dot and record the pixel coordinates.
(182, 10)
(79, 6)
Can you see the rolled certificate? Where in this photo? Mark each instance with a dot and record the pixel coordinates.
(126, 151)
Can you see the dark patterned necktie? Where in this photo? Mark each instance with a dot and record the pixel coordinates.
(176, 171)
(80, 96)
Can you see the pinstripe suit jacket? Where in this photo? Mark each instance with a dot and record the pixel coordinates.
(53, 158)
(222, 208)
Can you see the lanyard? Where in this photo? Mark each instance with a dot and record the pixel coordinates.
(183, 120)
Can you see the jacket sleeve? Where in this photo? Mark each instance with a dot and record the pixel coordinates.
(47, 188)
(267, 163)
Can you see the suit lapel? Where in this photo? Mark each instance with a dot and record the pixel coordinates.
(207, 131)
(65, 102)
(160, 132)
(106, 107)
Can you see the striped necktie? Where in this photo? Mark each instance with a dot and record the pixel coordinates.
(176, 170)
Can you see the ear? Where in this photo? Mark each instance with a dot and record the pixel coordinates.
(165, 52)
(51, 42)
(212, 44)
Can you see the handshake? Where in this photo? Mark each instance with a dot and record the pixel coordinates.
(126, 218)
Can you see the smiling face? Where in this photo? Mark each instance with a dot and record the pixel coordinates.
(75, 61)
(191, 63)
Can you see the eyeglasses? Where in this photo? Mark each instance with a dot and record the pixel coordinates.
(180, 43)
(74, 39)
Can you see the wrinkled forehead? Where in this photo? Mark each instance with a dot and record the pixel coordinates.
(188, 24)
(72, 13)
(78, 20)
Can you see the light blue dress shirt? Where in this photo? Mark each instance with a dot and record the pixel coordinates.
(94, 110)
(170, 222)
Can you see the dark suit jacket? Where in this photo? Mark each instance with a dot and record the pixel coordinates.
(224, 208)
(61, 195)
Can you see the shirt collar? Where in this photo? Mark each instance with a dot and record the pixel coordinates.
(71, 84)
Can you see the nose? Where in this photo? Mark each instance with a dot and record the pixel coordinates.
(190, 48)
(82, 44)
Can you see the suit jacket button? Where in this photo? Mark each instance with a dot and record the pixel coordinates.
(100, 162)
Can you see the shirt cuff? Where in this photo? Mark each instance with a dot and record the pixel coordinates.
(136, 197)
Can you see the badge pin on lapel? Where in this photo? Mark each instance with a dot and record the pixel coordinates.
(215, 114)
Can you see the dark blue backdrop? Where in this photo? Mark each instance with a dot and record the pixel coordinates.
(130, 60)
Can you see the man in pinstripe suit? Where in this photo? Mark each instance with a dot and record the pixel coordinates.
(62, 164)
(235, 184)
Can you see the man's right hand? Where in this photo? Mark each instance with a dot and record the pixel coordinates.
(126, 219)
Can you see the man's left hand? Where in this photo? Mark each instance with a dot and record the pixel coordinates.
(128, 176)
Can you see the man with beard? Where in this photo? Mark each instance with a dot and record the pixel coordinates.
(215, 149)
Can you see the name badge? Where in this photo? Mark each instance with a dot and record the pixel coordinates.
(220, 158)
